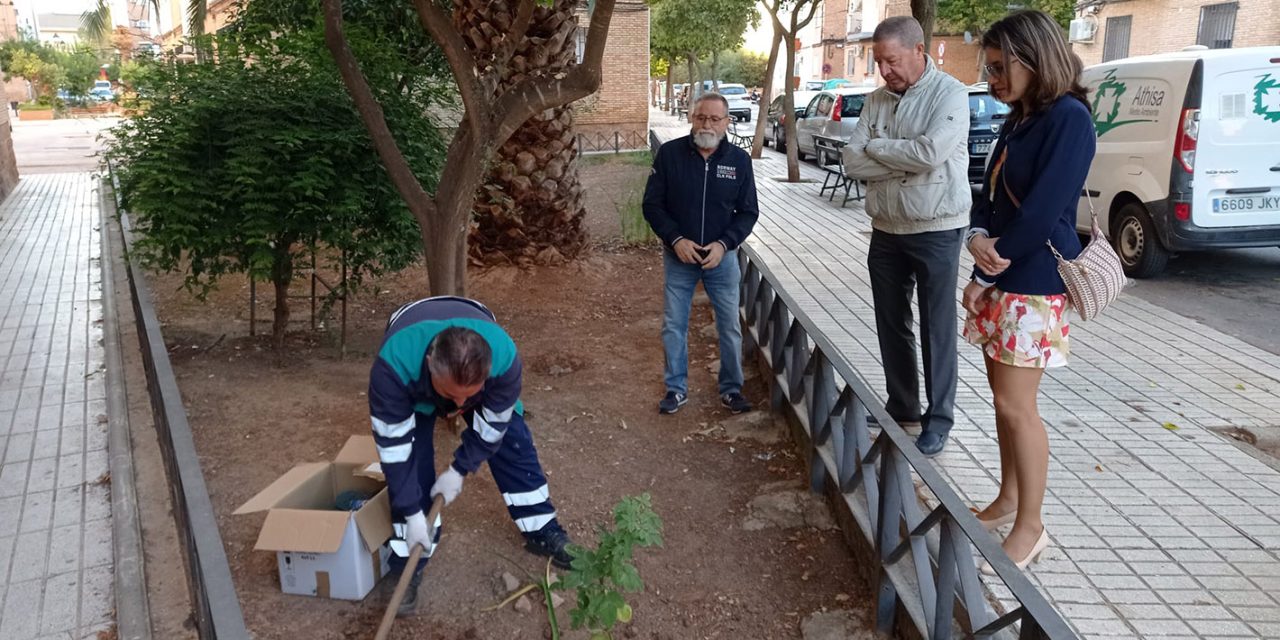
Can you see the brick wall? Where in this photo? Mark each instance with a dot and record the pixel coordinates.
(8, 163)
(622, 103)
(1162, 26)
(835, 26)
(959, 59)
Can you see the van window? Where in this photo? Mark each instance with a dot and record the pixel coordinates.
(851, 106)
(732, 91)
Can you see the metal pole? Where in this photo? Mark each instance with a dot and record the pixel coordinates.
(313, 288)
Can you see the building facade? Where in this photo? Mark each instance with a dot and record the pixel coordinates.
(1108, 30)
(621, 105)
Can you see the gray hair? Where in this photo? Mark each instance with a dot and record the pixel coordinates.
(461, 355)
(711, 95)
(905, 29)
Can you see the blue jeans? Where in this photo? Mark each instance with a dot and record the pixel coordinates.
(722, 285)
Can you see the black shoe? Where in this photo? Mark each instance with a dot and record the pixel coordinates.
(735, 403)
(931, 444)
(551, 542)
(409, 604)
(672, 402)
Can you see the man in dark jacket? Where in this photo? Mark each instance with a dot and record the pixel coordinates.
(701, 201)
(442, 357)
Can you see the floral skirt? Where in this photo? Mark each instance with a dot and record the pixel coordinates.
(1020, 330)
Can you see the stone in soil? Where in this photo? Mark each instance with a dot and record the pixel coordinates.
(709, 332)
(509, 582)
(837, 624)
(758, 426)
(523, 605)
(780, 505)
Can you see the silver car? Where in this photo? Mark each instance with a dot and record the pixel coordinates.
(831, 114)
(775, 132)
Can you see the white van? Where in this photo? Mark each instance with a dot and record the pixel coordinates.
(1188, 153)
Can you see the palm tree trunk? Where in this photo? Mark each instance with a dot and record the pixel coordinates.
(530, 207)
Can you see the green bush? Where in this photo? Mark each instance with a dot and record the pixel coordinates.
(254, 161)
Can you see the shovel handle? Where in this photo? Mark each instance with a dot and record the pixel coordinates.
(389, 616)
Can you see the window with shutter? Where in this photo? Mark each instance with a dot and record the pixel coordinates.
(1217, 25)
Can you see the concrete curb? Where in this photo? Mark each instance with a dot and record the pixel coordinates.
(133, 614)
(216, 607)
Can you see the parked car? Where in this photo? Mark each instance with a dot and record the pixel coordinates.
(102, 92)
(775, 118)
(986, 116)
(832, 114)
(1188, 153)
(739, 101)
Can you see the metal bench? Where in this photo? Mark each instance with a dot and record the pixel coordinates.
(832, 162)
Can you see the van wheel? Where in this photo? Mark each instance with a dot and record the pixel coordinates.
(1135, 240)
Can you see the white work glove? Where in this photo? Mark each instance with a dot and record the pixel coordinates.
(449, 485)
(416, 531)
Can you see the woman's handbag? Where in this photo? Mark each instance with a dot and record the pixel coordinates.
(1096, 276)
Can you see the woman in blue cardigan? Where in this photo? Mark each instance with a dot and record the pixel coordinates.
(1016, 304)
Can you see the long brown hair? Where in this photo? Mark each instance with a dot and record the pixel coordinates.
(1036, 41)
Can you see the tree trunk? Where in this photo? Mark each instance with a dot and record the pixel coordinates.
(924, 11)
(789, 110)
(715, 71)
(670, 79)
(281, 278)
(530, 207)
(690, 91)
(766, 96)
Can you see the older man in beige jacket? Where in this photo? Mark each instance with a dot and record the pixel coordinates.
(910, 146)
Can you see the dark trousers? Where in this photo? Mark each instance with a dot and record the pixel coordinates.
(516, 470)
(927, 263)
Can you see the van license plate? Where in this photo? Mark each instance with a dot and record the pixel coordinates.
(1248, 204)
(982, 148)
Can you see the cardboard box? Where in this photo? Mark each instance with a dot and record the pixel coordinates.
(321, 551)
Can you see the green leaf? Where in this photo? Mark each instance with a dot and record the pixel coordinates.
(1170, 426)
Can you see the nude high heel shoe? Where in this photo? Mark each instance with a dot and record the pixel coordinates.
(1041, 544)
(992, 525)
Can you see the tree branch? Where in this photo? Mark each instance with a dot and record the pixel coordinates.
(813, 8)
(462, 63)
(415, 197)
(519, 28)
(535, 95)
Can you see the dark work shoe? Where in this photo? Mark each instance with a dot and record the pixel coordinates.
(735, 403)
(409, 604)
(930, 443)
(550, 542)
(672, 402)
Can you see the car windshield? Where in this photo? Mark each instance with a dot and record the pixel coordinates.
(733, 91)
(983, 106)
(851, 106)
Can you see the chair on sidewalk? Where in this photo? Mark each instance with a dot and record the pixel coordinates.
(831, 161)
(741, 140)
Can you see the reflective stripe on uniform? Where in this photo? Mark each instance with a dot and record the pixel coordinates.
(527, 498)
(487, 433)
(534, 523)
(393, 430)
(492, 417)
(395, 454)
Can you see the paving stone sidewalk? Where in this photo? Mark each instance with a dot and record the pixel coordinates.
(1161, 528)
(55, 511)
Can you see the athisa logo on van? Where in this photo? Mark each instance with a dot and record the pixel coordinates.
(1265, 103)
(1109, 102)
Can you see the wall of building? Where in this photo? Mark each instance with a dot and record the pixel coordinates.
(958, 59)
(621, 104)
(8, 163)
(1162, 26)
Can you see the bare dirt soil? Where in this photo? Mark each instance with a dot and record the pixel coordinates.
(589, 333)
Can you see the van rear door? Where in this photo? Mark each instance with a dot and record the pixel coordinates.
(1237, 151)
